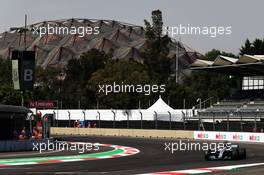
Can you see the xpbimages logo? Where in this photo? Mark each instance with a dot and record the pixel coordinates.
(80, 147)
(180, 145)
(130, 88)
(81, 31)
(211, 31)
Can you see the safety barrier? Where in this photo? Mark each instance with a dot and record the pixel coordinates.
(149, 133)
(123, 132)
(20, 145)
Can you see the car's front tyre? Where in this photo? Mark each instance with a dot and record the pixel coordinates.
(207, 155)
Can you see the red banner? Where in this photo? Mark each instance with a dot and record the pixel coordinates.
(43, 104)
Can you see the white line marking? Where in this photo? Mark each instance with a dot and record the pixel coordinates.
(208, 170)
(30, 154)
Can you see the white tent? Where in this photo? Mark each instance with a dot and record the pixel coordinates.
(160, 106)
(163, 111)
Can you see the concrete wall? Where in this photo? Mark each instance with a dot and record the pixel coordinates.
(151, 133)
(123, 132)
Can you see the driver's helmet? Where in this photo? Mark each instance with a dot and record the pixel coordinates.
(225, 143)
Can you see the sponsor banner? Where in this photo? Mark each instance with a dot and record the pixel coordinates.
(16, 69)
(230, 136)
(15, 74)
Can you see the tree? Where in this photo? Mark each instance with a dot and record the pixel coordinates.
(155, 55)
(257, 47)
(247, 48)
(5, 71)
(80, 70)
(78, 73)
(209, 84)
(121, 72)
(254, 48)
(211, 55)
(47, 83)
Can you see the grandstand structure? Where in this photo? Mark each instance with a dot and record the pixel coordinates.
(247, 103)
(122, 40)
(244, 66)
(235, 110)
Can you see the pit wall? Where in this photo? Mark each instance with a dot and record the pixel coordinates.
(123, 132)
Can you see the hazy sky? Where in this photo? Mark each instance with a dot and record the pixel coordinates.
(245, 17)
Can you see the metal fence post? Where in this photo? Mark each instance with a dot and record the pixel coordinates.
(255, 120)
(30, 124)
(141, 120)
(156, 120)
(99, 117)
(58, 114)
(54, 118)
(213, 121)
(44, 128)
(170, 118)
(69, 114)
(199, 122)
(84, 118)
(241, 122)
(114, 119)
(127, 119)
(227, 124)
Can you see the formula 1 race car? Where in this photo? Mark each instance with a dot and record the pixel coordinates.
(232, 153)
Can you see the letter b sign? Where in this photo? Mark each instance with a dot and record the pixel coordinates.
(23, 69)
(28, 75)
(28, 70)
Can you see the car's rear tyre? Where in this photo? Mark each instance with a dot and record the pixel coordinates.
(242, 153)
(235, 154)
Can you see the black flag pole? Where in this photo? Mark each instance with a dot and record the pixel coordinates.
(25, 33)
(25, 48)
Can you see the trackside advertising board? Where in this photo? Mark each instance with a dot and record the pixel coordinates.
(230, 136)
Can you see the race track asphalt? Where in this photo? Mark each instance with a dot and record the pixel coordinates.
(152, 158)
